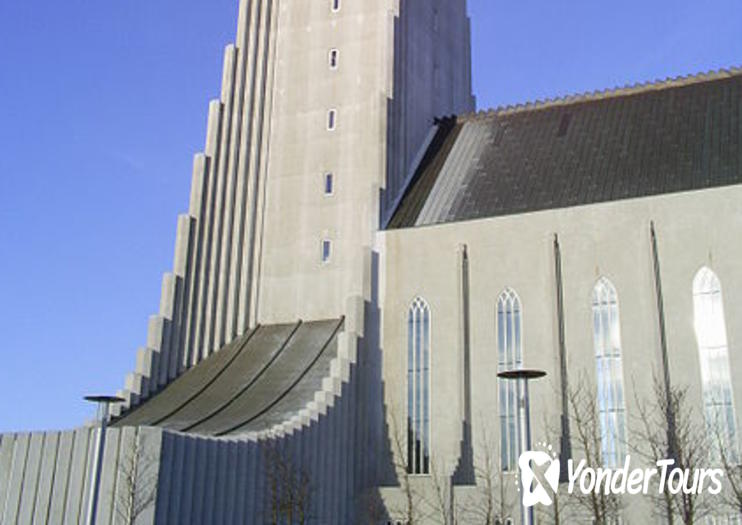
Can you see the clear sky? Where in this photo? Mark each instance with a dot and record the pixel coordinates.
(102, 105)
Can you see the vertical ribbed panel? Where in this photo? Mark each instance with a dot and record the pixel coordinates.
(228, 92)
(58, 498)
(205, 301)
(252, 480)
(167, 312)
(202, 281)
(45, 477)
(7, 446)
(247, 312)
(225, 480)
(233, 144)
(31, 478)
(106, 491)
(15, 475)
(249, 20)
(197, 210)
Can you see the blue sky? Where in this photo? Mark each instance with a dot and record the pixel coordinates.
(102, 105)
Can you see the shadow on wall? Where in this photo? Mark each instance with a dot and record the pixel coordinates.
(432, 79)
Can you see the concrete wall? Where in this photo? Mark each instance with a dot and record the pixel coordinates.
(235, 479)
(401, 63)
(186, 478)
(248, 250)
(612, 240)
(45, 477)
(206, 299)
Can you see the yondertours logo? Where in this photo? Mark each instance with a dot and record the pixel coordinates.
(539, 478)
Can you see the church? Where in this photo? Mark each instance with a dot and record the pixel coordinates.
(363, 254)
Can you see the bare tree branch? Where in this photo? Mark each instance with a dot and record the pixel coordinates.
(137, 482)
(492, 503)
(603, 508)
(291, 487)
(411, 510)
(689, 448)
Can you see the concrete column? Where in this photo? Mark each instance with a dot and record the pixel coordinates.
(248, 310)
(198, 488)
(60, 486)
(221, 333)
(251, 482)
(249, 49)
(17, 473)
(228, 96)
(202, 281)
(7, 446)
(197, 210)
(47, 470)
(30, 478)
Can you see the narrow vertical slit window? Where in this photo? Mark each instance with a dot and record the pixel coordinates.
(329, 184)
(334, 58)
(609, 373)
(335, 5)
(711, 336)
(510, 357)
(418, 387)
(326, 250)
(331, 119)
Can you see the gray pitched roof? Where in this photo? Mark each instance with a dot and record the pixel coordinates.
(678, 135)
(259, 380)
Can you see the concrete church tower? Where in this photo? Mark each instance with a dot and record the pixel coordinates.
(334, 283)
(324, 105)
(259, 342)
(382, 71)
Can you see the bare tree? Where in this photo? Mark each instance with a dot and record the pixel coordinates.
(291, 487)
(137, 485)
(733, 474)
(728, 459)
(412, 501)
(441, 505)
(493, 503)
(558, 512)
(688, 445)
(603, 508)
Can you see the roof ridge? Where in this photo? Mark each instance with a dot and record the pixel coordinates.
(589, 96)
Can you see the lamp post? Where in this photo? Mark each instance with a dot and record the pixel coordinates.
(524, 376)
(103, 412)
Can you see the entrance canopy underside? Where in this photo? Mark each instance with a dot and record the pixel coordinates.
(259, 380)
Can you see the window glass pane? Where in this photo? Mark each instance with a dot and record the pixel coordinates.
(711, 336)
(418, 387)
(609, 372)
(510, 356)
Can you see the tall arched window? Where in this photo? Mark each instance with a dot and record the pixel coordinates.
(510, 357)
(711, 335)
(607, 343)
(418, 387)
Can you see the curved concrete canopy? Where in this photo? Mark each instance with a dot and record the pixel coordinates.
(259, 380)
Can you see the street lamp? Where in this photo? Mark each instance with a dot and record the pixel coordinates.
(524, 376)
(103, 412)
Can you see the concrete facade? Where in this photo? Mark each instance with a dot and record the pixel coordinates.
(606, 240)
(249, 249)
(46, 476)
(401, 64)
(352, 89)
